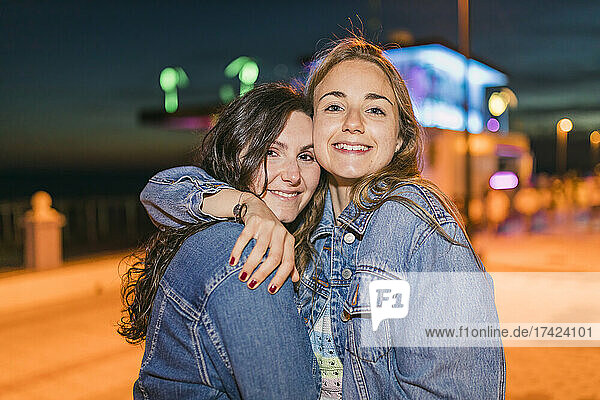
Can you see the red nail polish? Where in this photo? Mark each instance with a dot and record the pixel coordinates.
(243, 276)
(272, 289)
(252, 283)
(232, 261)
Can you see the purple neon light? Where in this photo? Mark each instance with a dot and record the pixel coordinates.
(493, 125)
(504, 180)
(508, 150)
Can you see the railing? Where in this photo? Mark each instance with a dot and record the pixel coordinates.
(94, 224)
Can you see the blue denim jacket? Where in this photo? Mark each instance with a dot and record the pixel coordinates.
(206, 335)
(360, 247)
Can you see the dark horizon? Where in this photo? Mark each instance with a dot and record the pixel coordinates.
(77, 75)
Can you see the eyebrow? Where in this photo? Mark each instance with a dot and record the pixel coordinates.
(285, 146)
(369, 96)
(375, 96)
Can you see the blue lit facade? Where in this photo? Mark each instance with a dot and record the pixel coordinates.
(435, 77)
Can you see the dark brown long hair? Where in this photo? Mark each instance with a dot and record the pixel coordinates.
(232, 152)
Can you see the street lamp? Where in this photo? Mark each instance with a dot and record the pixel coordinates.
(594, 144)
(563, 127)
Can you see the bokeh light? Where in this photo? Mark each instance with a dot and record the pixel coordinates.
(249, 73)
(171, 102)
(168, 79)
(595, 137)
(235, 66)
(504, 180)
(565, 125)
(493, 125)
(226, 93)
(497, 103)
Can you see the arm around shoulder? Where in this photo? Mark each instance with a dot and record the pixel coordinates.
(174, 197)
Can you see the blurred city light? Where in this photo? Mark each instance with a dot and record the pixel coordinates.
(504, 180)
(595, 137)
(565, 125)
(497, 103)
(226, 93)
(171, 101)
(170, 79)
(235, 66)
(182, 78)
(493, 125)
(247, 71)
(434, 75)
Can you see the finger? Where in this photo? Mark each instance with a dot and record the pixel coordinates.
(274, 237)
(240, 244)
(256, 255)
(286, 268)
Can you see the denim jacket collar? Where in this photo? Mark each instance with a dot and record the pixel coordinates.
(352, 218)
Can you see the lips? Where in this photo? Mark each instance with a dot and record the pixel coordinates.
(354, 148)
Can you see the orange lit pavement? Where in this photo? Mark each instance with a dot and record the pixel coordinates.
(65, 346)
(58, 339)
(548, 373)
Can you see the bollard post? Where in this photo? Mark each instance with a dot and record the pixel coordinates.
(43, 234)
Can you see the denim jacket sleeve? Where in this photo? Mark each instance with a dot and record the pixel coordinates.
(173, 198)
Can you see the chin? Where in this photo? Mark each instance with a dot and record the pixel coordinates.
(286, 219)
(284, 216)
(351, 174)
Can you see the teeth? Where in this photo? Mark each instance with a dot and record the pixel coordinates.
(351, 147)
(283, 194)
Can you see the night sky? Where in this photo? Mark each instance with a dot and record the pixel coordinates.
(77, 74)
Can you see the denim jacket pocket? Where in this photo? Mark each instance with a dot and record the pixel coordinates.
(362, 341)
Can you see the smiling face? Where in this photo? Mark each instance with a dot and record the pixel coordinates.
(355, 123)
(292, 171)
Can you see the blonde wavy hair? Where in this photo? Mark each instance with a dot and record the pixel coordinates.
(371, 191)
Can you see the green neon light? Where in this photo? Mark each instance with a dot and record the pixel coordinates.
(249, 73)
(171, 102)
(182, 78)
(168, 79)
(235, 66)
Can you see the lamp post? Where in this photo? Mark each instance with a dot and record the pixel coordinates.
(465, 50)
(563, 127)
(594, 144)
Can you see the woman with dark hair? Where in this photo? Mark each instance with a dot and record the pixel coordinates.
(381, 223)
(205, 335)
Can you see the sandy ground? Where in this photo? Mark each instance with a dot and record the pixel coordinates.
(67, 347)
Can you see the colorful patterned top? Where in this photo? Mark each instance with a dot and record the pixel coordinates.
(321, 339)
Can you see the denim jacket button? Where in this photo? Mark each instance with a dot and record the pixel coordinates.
(346, 273)
(349, 238)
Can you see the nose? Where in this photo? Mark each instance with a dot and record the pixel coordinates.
(291, 173)
(353, 122)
